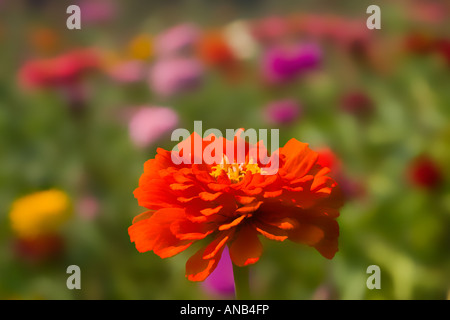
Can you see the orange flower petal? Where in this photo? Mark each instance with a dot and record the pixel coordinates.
(167, 251)
(249, 208)
(233, 223)
(306, 233)
(207, 196)
(272, 233)
(253, 192)
(154, 233)
(142, 235)
(320, 232)
(143, 216)
(245, 200)
(198, 269)
(180, 186)
(299, 159)
(328, 247)
(154, 194)
(211, 211)
(217, 244)
(185, 199)
(273, 194)
(246, 247)
(185, 229)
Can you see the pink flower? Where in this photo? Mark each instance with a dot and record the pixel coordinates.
(312, 25)
(176, 39)
(430, 12)
(97, 11)
(325, 292)
(175, 75)
(339, 30)
(148, 124)
(270, 29)
(88, 207)
(282, 112)
(348, 32)
(128, 71)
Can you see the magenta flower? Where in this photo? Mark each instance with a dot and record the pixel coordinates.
(176, 39)
(221, 280)
(286, 63)
(282, 112)
(148, 124)
(175, 75)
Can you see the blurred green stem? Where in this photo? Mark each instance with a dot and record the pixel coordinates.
(241, 283)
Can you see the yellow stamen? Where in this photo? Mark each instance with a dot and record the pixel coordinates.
(236, 172)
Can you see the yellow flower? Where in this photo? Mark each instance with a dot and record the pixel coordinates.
(140, 47)
(39, 213)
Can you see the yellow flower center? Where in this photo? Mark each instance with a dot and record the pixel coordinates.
(235, 171)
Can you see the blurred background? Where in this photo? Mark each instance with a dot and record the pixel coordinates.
(82, 110)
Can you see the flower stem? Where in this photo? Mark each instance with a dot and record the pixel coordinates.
(241, 283)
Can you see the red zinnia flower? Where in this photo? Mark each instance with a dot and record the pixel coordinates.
(443, 47)
(425, 173)
(39, 249)
(232, 204)
(62, 70)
